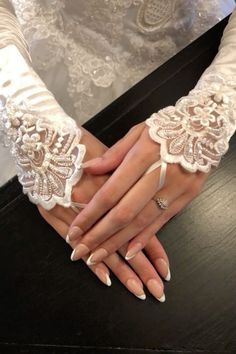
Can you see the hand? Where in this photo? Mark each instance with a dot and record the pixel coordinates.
(124, 209)
(141, 269)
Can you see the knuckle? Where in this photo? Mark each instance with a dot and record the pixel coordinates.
(141, 220)
(104, 198)
(122, 216)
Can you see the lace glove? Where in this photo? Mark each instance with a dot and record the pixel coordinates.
(196, 131)
(42, 138)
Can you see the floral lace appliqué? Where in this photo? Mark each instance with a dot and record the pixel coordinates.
(196, 131)
(47, 152)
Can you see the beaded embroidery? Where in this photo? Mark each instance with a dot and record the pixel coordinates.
(47, 152)
(196, 131)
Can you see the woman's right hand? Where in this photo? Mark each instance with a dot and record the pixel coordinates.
(140, 270)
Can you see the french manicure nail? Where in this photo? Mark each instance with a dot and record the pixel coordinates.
(74, 232)
(133, 251)
(163, 268)
(97, 256)
(90, 163)
(80, 251)
(103, 276)
(135, 288)
(67, 239)
(156, 289)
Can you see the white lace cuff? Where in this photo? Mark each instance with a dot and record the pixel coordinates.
(196, 131)
(48, 154)
(43, 139)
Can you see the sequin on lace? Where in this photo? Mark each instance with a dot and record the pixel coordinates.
(47, 152)
(196, 131)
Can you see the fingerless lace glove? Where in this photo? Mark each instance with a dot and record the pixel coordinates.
(43, 139)
(196, 131)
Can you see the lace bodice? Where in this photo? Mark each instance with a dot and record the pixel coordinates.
(97, 49)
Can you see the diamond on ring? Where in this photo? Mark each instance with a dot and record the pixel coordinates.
(161, 202)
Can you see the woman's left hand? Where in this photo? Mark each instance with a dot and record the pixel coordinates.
(127, 198)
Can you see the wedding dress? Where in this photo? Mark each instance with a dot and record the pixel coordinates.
(97, 52)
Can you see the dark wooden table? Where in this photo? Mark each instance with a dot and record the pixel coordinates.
(50, 305)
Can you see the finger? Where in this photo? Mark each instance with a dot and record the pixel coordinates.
(175, 205)
(113, 156)
(157, 255)
(164, 217)
(147, 273)
(145, 218)
(126, 275)
(63, 214)
(117, 185)
(125, 213)
(100, 269)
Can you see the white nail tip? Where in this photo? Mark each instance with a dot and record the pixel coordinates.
(162, 298)
(141, 297)
(108, 280)
(168, 277)
(89, 262)
(67, 239)
(72, 255)
(128, 258)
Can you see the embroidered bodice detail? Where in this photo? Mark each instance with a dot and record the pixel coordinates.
(196, 131)
(100, 48)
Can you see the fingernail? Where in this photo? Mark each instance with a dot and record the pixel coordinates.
(136, 289)
(156, 289)
(80, 251)
(74, 232)
(103, 276)
(163, 268)
(97, 256)
(67, 239)
(90, 162)
(133, 251)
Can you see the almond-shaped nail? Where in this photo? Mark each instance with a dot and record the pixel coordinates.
(91, 163)
(103, 276)
(80, 251)
(74, 232)
(163, 268)
(136, 289)
(97, 256)
(156, 289)
(133, 251)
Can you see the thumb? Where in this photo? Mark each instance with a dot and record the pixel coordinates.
(113, 157)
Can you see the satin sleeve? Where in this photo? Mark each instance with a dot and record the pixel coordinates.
(43, 139)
